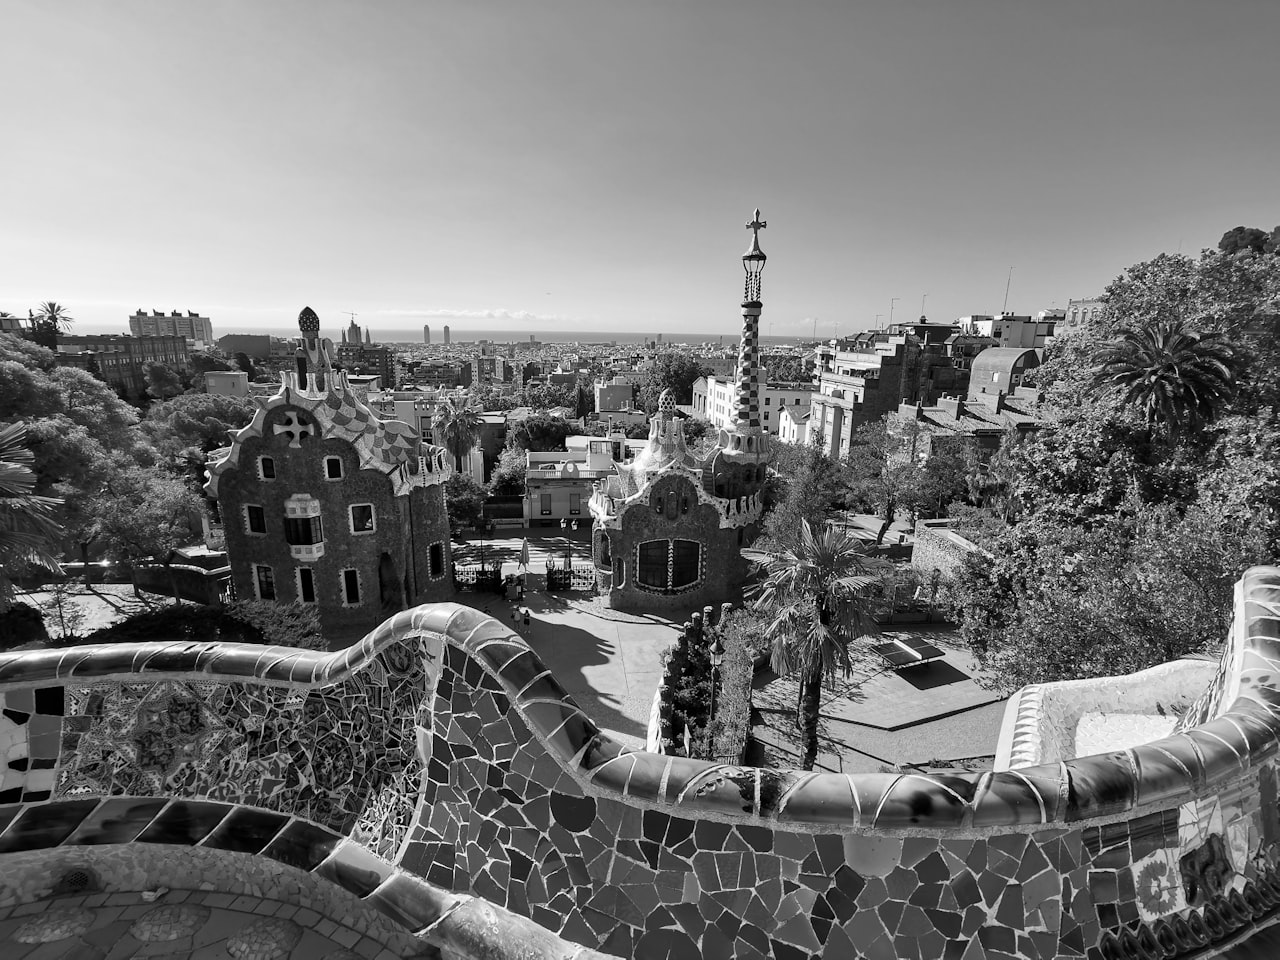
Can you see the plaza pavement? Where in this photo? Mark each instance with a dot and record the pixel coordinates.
(879, 718)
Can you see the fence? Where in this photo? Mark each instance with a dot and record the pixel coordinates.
(581, 576)
(478, 577)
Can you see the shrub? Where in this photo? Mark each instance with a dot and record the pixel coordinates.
(245, 621)
(21, 624)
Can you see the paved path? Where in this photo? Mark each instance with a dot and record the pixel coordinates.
(879, 718)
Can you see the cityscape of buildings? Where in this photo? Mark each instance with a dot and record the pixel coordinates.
(480, 548)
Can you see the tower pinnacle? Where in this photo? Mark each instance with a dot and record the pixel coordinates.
(753, 260)
(748, 388)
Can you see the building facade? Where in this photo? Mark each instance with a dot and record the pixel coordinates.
(1081, 313)
(668, 529)
(859, 379)
(1011, 330)
(192, 326)
(121, 360)
(325, 504)
(716, 400)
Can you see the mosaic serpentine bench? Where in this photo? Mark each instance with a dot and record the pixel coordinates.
(446, 756)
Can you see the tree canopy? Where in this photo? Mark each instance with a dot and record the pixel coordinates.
(1113, 537)
(674, 371)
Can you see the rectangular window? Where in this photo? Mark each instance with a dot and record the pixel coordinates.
(575, 504)
(768, 401)
(437, 559)
(264, 582)
(306, 585)
(362, 520)
(300, 531)
(685, 557)
(333, 468)
(255, 518)
(545, 504)
(350, 587)
(266, 468)
(651, 566)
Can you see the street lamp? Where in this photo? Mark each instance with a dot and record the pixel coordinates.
(716, 656)
(565, 526)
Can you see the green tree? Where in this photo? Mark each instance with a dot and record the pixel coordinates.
(884, 468)
(1175, 377)
(540, 433)
(49, 320)
(242, 362)
(199, 421)
(145, 514)
(806, 486)
(674, 371)
(464, 502)
(29, 533)
(163, 382)
(508, 477)
(546, 396)
(814, 594)
(1253, 239)
(456, 426)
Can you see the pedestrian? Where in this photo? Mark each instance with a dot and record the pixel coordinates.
(526, 616)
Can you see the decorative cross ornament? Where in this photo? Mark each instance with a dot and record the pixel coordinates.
(756, 224)
(295, 429)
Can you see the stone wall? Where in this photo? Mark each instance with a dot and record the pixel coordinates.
(939, 548)
(1169, 847)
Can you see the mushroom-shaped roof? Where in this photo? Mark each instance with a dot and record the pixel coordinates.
(308, 322)
(667, 403)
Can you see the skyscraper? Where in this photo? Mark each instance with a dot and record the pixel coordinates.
(426, 333)
(446, 333)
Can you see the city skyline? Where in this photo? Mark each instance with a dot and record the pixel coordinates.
(501, 166)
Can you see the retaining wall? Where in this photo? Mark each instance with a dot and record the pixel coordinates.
(470, 769)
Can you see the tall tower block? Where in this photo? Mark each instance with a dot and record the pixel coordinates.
(426, 333)
(446, 333)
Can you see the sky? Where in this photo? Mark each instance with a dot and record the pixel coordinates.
(591, 165)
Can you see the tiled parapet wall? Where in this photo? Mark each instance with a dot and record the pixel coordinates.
(526, 803)
(1041, 721)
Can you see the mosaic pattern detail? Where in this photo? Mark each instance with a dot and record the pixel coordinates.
(527, 804)
(61, 923)
(171, 921)
(267, 939)
(329, 408)
(344, 756)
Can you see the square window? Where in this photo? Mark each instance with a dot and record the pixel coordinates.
(264, 582)
(362, 519)
(255, 519)
(333, 468)
(350, 587)
(266, 468)
(306, 585)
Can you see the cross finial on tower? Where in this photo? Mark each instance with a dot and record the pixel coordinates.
(756, 223)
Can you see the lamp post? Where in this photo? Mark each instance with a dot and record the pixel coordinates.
(566, 526)
(716, 657)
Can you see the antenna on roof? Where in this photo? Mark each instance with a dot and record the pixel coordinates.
(1005, 308)
(923, 298)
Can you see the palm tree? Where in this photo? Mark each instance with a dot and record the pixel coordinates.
(812, 593)
(49, 320)
(28, 532)
(1176, 377)
(456, 427)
